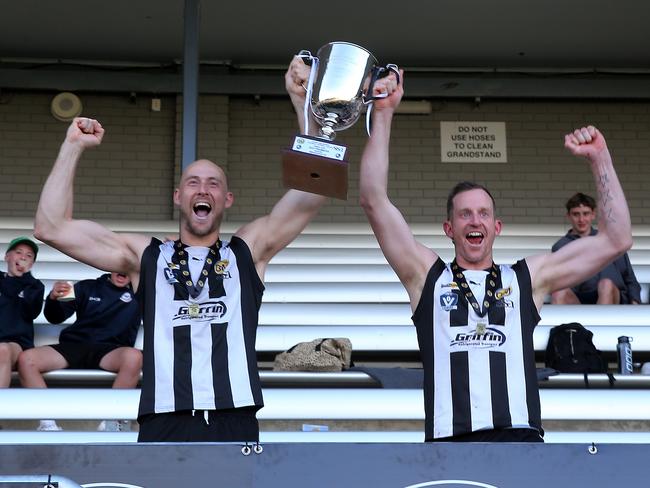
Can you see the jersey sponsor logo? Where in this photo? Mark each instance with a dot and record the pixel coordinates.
(94, 299)
(207, 310)
(21, 294)
(449, 301)
(453, 285)
(490, 338)
(126, 297)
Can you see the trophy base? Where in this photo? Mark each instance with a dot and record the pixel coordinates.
(321, 173)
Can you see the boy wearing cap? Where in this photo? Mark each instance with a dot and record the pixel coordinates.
(21, 301)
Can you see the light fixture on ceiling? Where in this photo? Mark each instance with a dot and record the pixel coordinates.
(66, 106)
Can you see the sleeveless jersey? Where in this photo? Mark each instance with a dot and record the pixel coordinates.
(199, 354)
(479, 373)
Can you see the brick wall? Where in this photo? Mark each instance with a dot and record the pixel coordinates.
(531, 187)
(128, 175)
(133, 173)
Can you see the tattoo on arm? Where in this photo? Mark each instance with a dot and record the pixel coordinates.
(605, 197)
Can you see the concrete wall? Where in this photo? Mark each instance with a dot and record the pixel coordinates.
(133, 173)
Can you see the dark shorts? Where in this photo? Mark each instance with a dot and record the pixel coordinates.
(494, 435)
(588, 297)
(83, 356)
(228, 425)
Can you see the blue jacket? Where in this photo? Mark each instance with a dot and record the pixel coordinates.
(21, 300)
(106, 314)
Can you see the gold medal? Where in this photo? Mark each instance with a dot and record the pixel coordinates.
(481, 328)
(194, 310)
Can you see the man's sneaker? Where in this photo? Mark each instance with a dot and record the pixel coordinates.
(48, 425)
(114, 426)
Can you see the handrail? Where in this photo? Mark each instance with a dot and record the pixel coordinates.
(331, 403)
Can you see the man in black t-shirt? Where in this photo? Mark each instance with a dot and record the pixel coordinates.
(616, 283)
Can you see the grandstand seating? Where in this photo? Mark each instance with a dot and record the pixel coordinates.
(333, 281)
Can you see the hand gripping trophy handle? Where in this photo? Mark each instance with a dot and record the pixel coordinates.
(377, 72)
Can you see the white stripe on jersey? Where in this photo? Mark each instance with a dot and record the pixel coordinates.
(242, 395)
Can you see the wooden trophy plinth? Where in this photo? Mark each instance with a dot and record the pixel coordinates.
(317, 166)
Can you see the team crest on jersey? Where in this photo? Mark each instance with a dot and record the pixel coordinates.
(501, 300)
(449, 301)
(126, 297)
(220, 268)
(502, 292)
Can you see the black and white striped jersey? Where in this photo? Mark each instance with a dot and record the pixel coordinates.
(199, 354)
(479, 372)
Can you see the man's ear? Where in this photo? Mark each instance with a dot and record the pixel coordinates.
(497, 227)
(177, 197)
(446, 226)
(230, 199)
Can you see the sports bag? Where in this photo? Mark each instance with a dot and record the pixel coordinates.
(570, 349)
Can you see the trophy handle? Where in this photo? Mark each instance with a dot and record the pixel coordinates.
(312, 61)
(377, 72)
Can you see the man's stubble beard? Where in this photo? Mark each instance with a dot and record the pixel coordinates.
(198, 232)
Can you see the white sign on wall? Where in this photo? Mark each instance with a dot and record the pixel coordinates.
(473, 142)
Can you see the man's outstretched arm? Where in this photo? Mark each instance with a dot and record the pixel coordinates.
(584, 257)
(84, 240)
(268, 235)
(408, 258)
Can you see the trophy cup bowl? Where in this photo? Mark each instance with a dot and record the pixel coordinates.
(339, 87)
(343, 74)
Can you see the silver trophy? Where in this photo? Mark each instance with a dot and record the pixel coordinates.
(340, 87)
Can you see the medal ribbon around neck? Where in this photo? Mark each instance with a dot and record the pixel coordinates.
(490, 288)
(185, 278)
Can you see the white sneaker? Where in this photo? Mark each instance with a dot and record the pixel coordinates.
(48, 425)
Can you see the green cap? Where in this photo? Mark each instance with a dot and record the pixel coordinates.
(23, 240)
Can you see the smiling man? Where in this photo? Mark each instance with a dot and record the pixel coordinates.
(475, 319)
(21, 301)
(616, 283)
(200, 295)
(107, 319)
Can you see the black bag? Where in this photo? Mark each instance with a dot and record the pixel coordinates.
(570, 350)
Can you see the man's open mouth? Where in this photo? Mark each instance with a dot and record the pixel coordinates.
(474, 237)
(202, 209)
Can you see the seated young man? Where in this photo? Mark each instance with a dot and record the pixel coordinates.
(21, 301)
(102, 336)
(615, 283)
